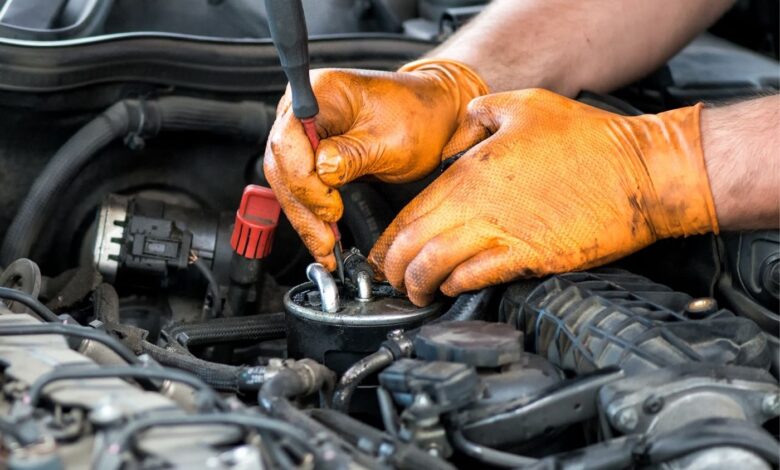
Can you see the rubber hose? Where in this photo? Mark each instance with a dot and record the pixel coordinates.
(404, 456)
(219, 376)
(226, 330)
(142, 118)
(273, 398)
(356, 374)
(468, 306)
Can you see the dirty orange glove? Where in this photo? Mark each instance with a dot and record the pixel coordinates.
(554, 186)
(389, 125)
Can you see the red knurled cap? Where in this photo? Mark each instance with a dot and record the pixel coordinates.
(256, 221)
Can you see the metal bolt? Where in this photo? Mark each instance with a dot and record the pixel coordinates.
(701, 307)
(627, 419)
(105, 414)
(771, 404)
(653, 404)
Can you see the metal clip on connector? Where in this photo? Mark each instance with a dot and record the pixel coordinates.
(329, 291)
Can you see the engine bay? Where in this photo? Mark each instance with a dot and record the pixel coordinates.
(159, 311)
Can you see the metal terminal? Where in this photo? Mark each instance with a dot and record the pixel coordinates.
(364, 287)
(329, 291)
(111, 228)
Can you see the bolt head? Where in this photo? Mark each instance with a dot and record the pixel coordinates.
(105, 414)
(771, 404)
(627, 419)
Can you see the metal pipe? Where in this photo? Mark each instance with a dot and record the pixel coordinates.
(364, 287)
(329, 291)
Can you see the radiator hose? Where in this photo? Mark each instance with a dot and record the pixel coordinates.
(132, 119)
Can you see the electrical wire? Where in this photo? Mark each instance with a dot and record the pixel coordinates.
(36, 389)
(72, 331)
(111, 458)
(489, 456)
(216, 300)
(43, 312)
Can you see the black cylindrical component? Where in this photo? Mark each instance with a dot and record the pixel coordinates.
(356, 330)
(288, 31)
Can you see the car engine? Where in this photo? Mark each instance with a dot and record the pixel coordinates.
(159, 311)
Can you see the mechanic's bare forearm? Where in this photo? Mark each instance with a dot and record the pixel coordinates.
(742, 148)
(570, 45)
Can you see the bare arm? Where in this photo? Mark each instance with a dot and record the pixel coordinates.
(742, 152)
(570, 45)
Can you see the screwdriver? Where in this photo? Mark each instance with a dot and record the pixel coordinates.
(288, 32)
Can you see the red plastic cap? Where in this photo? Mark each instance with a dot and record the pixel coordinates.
(256, 221)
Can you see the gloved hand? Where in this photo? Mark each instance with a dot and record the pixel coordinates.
(390, 125)
(553, 186)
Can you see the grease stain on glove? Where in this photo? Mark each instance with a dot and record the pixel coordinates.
(550, 185)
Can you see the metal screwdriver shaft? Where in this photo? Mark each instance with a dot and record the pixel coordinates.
(288, 32)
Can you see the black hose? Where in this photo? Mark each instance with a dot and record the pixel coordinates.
(216, 301)
(125, 118)
(291, 382)
(36, 389)
(403, 456)
(489, 456)
(73, 331)
(42, 311)
(111, 457)
(219, 376)
(227, 330)
(355, 375)
(467, 307)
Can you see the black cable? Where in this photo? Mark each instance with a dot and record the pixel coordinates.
(36, 389)
(30, 302)
(401, 455)
(355, 375)
(216, 300)
(253, 328)
(487, 455)
(219, 376)
(111, 457)
(72, 331)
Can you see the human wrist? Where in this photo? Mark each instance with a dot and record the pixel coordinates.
(740, 143)
(677, 196)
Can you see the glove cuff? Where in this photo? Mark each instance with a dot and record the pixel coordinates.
(680, 202)
(466, 82)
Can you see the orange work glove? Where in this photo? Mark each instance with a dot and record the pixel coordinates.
(389, 125)
(554, 186)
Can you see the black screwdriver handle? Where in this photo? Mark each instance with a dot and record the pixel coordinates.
(288, 31)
